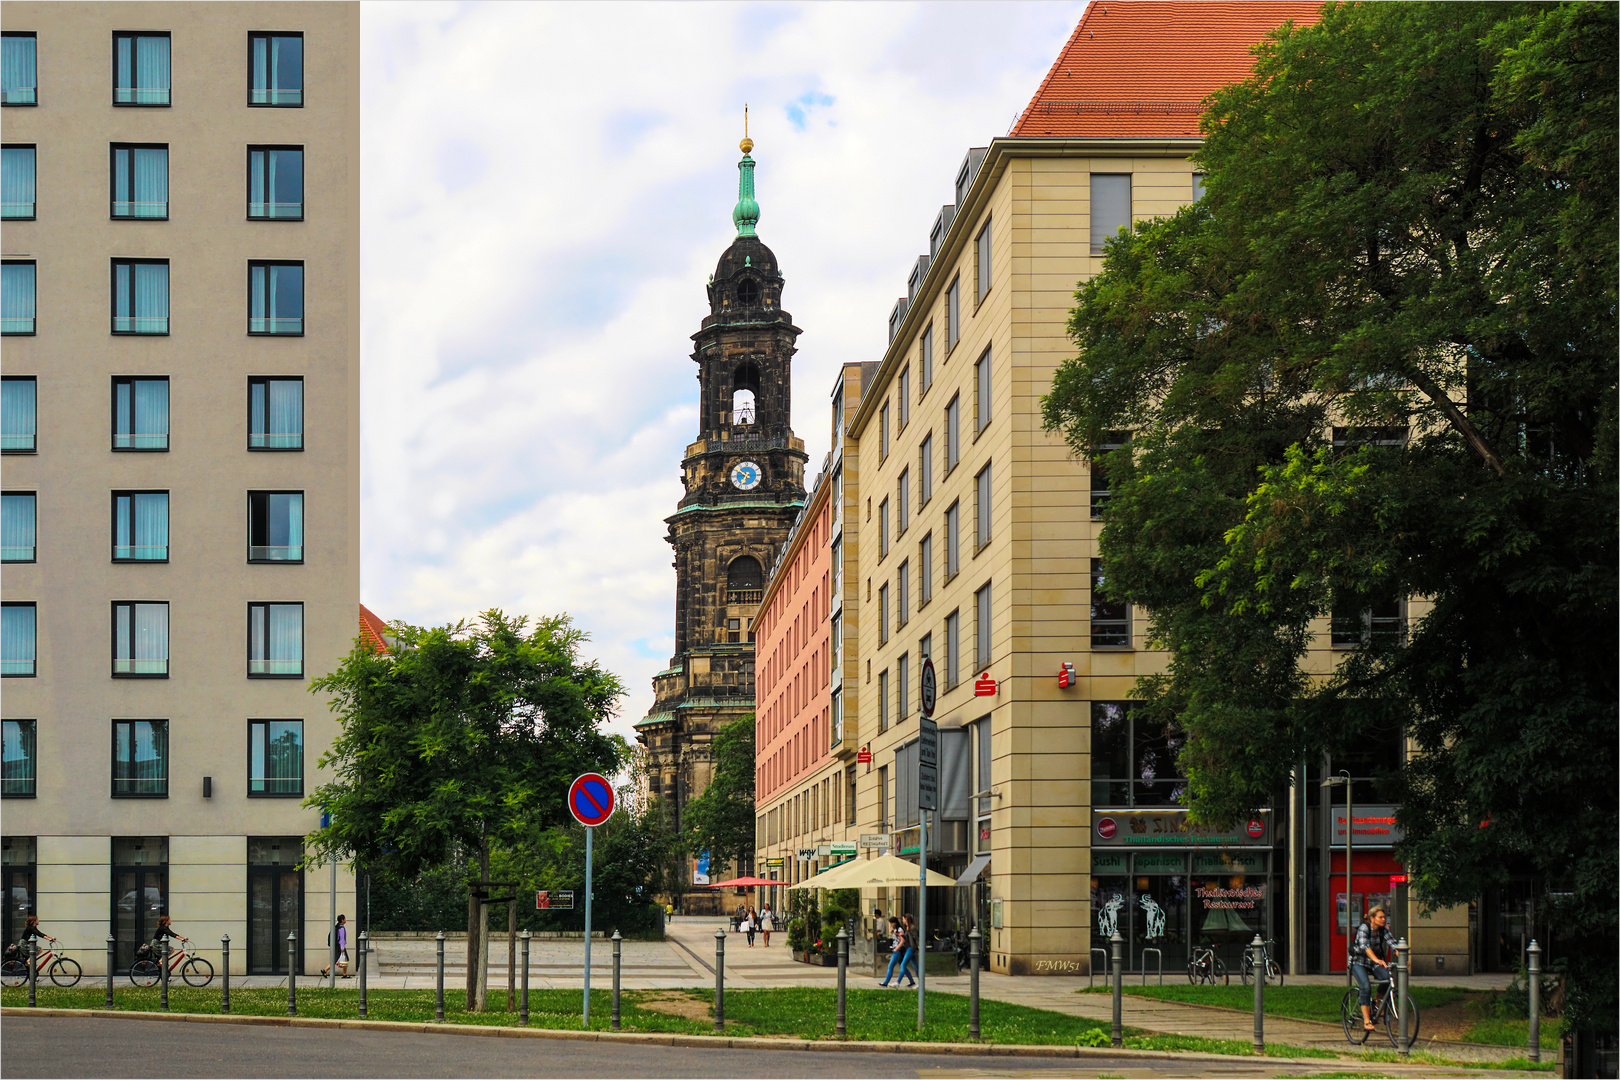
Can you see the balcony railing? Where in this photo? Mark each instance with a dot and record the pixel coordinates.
(141, 552)
(17, 553)
(744, 596)
(134, 440)
(1356, 631)
(141, 95)
(127, 209)
(19, 781)
(264, 96)
(282, 553)
(275, 440)
(140, 324)
(16, 667)
(17, 442)
(1110, 633)
(125, 666)
(16, 210)
(275, 667)
(280, 210)
(16, 324)
(276, 326)
(20, 95)
(140, 785)
(276, 785)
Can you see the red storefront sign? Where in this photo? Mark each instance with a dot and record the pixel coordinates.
(985, 686)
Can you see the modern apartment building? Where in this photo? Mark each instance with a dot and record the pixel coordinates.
(181, 311)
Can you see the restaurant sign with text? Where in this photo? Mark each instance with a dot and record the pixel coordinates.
(1375, 827)
(1161, 828)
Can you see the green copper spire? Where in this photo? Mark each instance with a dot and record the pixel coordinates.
(746, 215)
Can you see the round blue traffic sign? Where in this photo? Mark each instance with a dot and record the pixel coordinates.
(590, 799)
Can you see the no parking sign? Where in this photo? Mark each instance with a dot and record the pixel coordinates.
(590, 799)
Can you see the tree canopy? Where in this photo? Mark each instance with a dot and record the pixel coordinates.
(721, 819)
(1378, 361)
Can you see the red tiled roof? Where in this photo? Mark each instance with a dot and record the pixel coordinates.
(372, 630)
(1141, 68)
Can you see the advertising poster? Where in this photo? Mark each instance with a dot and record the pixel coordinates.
(700, 869)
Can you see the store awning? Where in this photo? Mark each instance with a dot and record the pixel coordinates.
(975, 868)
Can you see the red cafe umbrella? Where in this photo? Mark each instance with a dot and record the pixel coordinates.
(744, 883)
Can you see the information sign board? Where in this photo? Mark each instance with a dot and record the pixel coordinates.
(927, 765)
(553, 900)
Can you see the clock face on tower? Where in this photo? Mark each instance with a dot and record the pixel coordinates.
(745, 476)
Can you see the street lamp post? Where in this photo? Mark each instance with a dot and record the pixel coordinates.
(1343, 779)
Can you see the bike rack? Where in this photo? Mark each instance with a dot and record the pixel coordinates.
(1092, 985)
(1160, 954)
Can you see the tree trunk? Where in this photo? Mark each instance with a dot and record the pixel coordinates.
(473, 908)
(482, 993)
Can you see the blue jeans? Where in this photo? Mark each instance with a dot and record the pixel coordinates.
(894, 959)
(908, 965)
(1360, 971)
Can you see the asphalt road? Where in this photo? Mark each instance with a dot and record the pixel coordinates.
(95, 1047)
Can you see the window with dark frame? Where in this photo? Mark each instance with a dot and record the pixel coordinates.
(953, 432)
(19, 621)
(19, 68)
(140, 639)
(140, 759)
(925, 360)
(275, 183)
(981, 248)
(141, 68)
(953, 315)
(19, 764)
(902, 593)
(276, 298)
(140, 181)
(17, 297)
(18, 162)
(981, 627)
(18, 526)
(883, 528)
(1362, 623)
(953, 649)
(902, 502)
(276, 527)
(275, 413)
(883, 612)
(953, 534)
(902, 687)
(276, 70)
(981, 387)
(140, 526)
(275, 641)
(903, 394)
(140, 296)
(1110, 619)
(140, 413)
(883, 431)
(275, 758)
(1098, 468)
(1134, 757)
(925, 470)
(1110, 207)
(18, 414)
(883, 701)
(925, 570)
(983, 515)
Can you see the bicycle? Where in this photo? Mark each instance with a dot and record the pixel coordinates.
(63, 970)
(1205, 967)
(146, 971)
(1274, 973)
(1385, 1010)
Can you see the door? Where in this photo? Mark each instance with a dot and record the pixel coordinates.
(140, 896)
(19, 886)
(275, 907)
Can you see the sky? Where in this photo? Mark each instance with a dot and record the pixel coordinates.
(546, 189)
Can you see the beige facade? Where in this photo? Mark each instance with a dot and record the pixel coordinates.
(205, 817)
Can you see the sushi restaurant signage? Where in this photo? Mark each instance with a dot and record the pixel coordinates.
(1148, 828)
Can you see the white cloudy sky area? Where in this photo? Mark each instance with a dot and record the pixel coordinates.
(546, 189)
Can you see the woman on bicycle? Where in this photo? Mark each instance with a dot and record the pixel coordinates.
(164, 930)
(1368, 953)
(31, 930)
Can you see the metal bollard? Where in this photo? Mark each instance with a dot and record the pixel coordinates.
(523, 993)
(720, 979)
(225, 973)
(839, 1027)
(1535, 1001)
(618, 959)
(292, 973)
(33, 972)
(163, 976)
(438, 1003)
(975, 943)
(1116, 945)
(1257, 962)
(365, 943)
(112, 962)
(1403, 974)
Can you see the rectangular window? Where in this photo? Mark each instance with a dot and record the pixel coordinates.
(902, 593)
(835, 638)
(1134, 759)
(925, 360)
(17, 297)
(953, 648)
(17, 182)
(17, 627)
(925, 470)
(140, 182)
(981, 386)
(1382, 622)
(276, 298)
(275, 758)
(1111, 753)
(276, 183)
(18, 526)
(17, 414)
(981, 627)
(883, 432)
(276, 527)
(141, 758)
(902, 502)
(835, 714)
(140, 300)
(981, 503)
(849, 796)
(276, 70)
(276, 641)
(883, 700)
(18, 766)
(982, 759)
(925, 649)
(883, 528)
(981, 248)
(1197, 186)
(953, 431)
(140, 526)
(19, 71)
(925, 570)
(883, 799)
(141, 69)
(1110, 207)
(1100, 488)
(275, 414)
(902, 687)
(904, 395)
(952, 533)
(953, 315)
(883, 613)
(140, 419)
(1110, 619)
(836, 559)
(140, 639)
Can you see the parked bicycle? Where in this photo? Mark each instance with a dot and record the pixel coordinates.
(1205, 967)
(148, 968)
(63, 970)
(1385, 1011)
(1274, 973)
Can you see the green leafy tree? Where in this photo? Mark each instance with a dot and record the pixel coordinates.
(463, 740)
(721, 819)
(1409, 234)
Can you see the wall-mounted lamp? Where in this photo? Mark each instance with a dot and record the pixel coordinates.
(208, 787)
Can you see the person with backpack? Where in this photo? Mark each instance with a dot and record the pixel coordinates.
(1369, 953)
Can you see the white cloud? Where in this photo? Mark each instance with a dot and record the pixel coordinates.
(546, 189)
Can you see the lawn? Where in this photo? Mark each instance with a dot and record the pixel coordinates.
(1295, 1002)
(1488, 1027)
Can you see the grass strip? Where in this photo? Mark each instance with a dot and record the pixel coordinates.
(1198, 1044)
(1512, 1031)
(1309, 1002)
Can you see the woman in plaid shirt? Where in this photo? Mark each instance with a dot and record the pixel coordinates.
(1368, 953)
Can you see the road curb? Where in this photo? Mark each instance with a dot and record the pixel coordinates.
(661, 1039)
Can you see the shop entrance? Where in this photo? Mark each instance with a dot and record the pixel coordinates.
(275, 901)
(1373, 869)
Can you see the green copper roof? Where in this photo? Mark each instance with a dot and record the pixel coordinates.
(656, 718)
(746, 215)
(746, 505)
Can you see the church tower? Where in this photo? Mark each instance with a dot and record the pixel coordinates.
(744, 479)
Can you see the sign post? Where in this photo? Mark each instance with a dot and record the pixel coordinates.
(590, 800)
(927, 799)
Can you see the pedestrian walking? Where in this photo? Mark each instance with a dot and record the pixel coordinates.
(908, 966)
(897, 950)
(342, 948)
(767, 923)
(748, 925)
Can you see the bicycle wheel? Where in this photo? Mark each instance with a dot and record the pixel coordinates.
(13, 973)
(65, 972)
(197, 972)
(1350, 1013)
(1247, 967)
(1220, 974)
(145, 973)
(1192, 972)
(1274, 973)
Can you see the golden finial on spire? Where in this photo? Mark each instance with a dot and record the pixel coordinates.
(747, 144)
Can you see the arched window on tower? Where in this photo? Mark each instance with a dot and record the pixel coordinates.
(745, 581)
(747, 293)
(745, 386)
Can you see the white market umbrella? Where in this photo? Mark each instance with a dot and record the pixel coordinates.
(885, 871)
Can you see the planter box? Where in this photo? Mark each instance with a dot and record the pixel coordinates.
(816, 959)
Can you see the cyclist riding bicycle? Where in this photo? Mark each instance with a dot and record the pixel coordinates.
(164, 930)
(31, 930)
(1368, 953)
